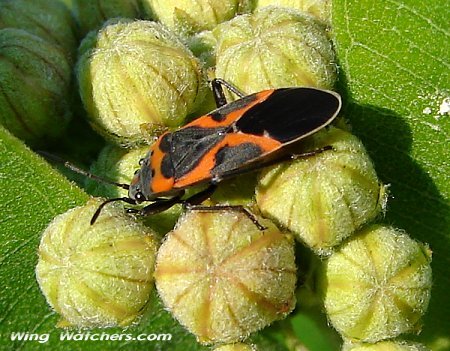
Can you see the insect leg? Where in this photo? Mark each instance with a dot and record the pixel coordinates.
(237, 208)
(219, 95)
(193, 203)
(201, 196)
(157, 206)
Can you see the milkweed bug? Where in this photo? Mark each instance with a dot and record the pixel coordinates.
(238, 137)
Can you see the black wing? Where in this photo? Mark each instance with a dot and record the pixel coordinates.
(290, 114)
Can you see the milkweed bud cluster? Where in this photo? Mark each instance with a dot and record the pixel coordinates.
(375, 282)
(218, 274)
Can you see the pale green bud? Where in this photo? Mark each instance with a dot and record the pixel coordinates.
(223, 278)
(203, 45)
(272, 48)
(135, 74)
(377, 285)
(320, 9)
(194, 16)
(96, 275)
(323, 198)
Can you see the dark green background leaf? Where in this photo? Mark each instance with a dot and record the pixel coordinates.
(395, 74)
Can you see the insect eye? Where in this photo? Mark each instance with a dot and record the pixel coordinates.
(141, 161)
(139, 196)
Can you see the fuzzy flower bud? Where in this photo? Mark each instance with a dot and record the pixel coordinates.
(274, 47)
(186, 16)
(96, 275)
(236, 191)
(320, 9)
(377, 285)
(390, 345)
(134, 74)
(50, 20)
(236, 347)
(202, 46)
(323, 198)
(34, 85)
(223, 278)
(91, 14)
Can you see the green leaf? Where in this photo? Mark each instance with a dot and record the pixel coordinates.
(28, 192)
(395, 75)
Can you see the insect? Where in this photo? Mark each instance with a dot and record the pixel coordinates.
(238, 137)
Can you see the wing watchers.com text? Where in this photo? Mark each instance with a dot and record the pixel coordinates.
(86, 336)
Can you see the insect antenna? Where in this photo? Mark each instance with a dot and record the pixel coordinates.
(100, 208)
(78, 170)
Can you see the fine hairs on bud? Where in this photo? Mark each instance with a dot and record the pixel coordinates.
(285, 47)
(137, 73)
(223, 278)
(390, 345)
(319, 9)
(377, 285)
(186, 16)
(96, 275)
(323, 199)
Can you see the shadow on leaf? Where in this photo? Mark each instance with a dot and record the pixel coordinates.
(415, 203)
